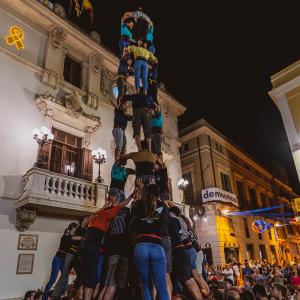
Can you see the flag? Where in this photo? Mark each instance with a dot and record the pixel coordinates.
(87, 6)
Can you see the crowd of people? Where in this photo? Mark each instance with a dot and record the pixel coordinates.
(254, 280)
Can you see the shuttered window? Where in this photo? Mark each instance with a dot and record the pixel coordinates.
(65, 156)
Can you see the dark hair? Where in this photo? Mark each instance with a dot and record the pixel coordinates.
(175, 210)
(280, 288)
(259, 290)
(247, 295)
(229, 281)
(70, 227)
(149, 198)
(37, 295)
(144, 145)
(250, 279)
(28, 295)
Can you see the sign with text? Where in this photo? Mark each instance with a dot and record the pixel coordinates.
(218, 195)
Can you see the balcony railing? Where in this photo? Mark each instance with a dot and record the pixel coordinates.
(51, 192)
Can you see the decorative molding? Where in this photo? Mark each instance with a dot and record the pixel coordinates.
(95, 36)
(58, 36)
(96, 62)
(88, 134)
(59, 10)
(24, 218)
(50, 78)
(58, 109)
(92, 100)
(106, 84)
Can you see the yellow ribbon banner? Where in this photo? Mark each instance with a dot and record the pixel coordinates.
(16, 37)
(297, 204)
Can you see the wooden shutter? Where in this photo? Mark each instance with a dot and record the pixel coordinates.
(44, 155)
(87, 164)
(170, 188)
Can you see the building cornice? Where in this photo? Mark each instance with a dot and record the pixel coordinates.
(207, 129)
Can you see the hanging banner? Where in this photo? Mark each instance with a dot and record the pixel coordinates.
(297, 204)
(218, 195)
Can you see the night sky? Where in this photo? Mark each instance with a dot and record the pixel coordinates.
(217, 59)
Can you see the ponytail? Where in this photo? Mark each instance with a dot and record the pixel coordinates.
(149, 198)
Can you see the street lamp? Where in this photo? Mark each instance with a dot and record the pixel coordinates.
(42, 136)
(99, 156)
(182, 184)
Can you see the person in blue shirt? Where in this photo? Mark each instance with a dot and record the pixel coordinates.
(150, 38)
(156, 130)
(142, 106)
(121, 118)
(126, 38)
(119, 175)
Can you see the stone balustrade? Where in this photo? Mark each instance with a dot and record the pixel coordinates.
(51, 192)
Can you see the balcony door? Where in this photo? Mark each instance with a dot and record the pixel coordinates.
(65, 156)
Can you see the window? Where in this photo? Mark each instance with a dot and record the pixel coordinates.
(249, 251)
(253, 198)
(231, 226)
(270, 234)
(273, 251)
(226, 184)
(259, 236)
(185, 147)
(219, 147)
(290, 229)
(188, 192)
(65, 156)
(263, 252)
(263, 200)
(72, 71)
(246, 228)
(241, 195)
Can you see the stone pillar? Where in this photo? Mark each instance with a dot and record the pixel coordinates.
(54, 54)
(93, 85)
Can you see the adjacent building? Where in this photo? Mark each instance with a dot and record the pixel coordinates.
(55, 75)
(224, 178)
(286, 95)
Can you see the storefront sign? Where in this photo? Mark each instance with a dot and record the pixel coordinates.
(218, 195)
(15, 37)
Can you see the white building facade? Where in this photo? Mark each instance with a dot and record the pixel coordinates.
(61, 79)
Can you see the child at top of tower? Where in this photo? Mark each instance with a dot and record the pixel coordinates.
(142, 24)
(126, 38)
(141, 57)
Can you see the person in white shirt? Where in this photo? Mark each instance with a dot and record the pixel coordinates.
(228, 272)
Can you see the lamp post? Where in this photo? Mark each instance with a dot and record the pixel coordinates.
(99, 156)
(182, 184)
(42, 136)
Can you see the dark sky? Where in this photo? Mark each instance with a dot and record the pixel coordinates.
(217, 59)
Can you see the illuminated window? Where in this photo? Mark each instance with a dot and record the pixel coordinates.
(230, 226)
(72, 71)
(115, 91)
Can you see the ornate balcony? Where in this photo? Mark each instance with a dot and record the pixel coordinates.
(52, 193)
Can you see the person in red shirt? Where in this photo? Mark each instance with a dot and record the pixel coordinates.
(90, 247)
